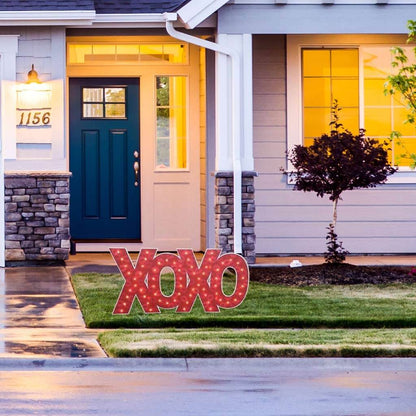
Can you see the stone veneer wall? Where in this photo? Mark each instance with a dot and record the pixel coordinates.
(37, 216)
(224, 213)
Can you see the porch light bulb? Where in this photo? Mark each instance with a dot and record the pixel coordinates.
(32, 76)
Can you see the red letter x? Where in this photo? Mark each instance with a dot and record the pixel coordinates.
(134, 284)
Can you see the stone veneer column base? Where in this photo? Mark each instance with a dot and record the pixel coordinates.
(224, 213)
(37, 216)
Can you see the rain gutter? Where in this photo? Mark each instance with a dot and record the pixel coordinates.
(236, 115)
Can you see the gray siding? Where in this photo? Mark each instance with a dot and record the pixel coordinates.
(41, 149)
(380, 220)
(314, 18)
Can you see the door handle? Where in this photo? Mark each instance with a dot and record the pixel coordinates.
(136, 167)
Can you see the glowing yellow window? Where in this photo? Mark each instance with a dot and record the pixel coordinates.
(171, 122)
(328, 75)
(385, 113)
(104, 53)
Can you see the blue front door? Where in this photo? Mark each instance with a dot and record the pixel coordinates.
(104, 158)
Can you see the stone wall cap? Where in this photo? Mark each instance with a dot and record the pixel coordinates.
(230, 174)
(36, 174)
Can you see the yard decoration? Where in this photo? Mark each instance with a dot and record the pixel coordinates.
(336, 163)
(403, 85)
(142, 280)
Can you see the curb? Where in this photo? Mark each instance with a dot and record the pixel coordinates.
(217, 365)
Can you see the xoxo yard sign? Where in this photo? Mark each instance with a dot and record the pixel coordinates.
(142, 280)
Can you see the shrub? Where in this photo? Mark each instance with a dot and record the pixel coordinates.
(335, 163)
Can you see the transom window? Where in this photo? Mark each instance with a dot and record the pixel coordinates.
(355, 77)
(126, 53)
(103, 102)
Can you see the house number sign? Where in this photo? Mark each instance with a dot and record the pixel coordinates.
(142, 281)
(34, 118)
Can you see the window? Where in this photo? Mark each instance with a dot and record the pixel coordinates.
(98, 102)
(329, 74)
(171, 122)
(127, 53)
(384, 114)
(354, 74)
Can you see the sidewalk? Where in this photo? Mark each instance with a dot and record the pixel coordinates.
(39, 315)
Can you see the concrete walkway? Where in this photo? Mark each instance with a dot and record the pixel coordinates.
(39, 315)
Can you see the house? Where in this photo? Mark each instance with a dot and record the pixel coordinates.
(132, 123)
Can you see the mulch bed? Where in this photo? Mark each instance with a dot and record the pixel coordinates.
(327, 274)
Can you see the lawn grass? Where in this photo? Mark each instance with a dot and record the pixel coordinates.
(260, 343)
(266, 306)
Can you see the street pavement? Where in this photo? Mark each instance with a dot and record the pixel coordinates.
(215, 387)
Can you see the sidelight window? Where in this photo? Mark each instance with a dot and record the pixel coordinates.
(171, 122)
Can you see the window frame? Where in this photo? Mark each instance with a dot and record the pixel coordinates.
(294, 46)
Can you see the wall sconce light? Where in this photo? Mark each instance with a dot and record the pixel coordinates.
(32, 76)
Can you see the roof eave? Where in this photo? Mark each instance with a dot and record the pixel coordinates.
(145, 20)
(50, 18)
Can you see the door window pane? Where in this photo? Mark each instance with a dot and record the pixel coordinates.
(90, 95)
(115, 95)
(115, 110)
(171, 122)
(92, 111)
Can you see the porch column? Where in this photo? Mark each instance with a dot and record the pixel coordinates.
(228, 155)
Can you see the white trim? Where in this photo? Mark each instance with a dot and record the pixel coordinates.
(196, 11)
(88, 18)
(37, 18)
(247, 161)
(295, 43)
(130, 18)
(8, 52)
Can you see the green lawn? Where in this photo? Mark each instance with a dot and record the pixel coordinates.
(266, 306)
(260, 343)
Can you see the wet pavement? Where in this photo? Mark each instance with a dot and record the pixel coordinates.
(39, 315)
(214, 387)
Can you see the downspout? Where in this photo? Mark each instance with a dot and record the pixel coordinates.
(236, 115)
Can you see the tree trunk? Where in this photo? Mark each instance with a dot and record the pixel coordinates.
(334, 212)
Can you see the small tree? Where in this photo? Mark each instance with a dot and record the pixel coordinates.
(336, 163)
(403, 83)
